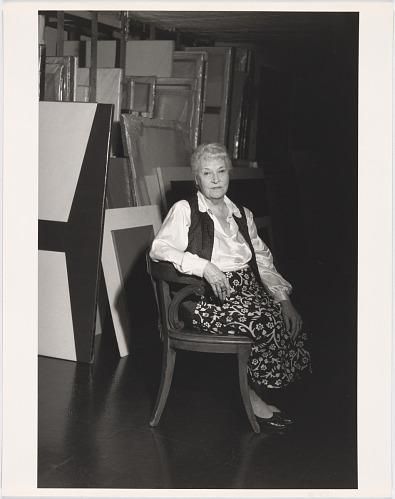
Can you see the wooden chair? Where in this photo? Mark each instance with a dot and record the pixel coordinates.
(175, 335)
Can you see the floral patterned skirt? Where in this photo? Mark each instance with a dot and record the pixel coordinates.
(276, 359)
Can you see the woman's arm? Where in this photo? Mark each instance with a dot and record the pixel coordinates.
(170, 245)
(172, 240)
(273, 281)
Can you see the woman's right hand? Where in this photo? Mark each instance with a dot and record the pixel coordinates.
(217, 280)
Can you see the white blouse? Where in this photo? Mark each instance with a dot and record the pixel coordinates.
(230, 250)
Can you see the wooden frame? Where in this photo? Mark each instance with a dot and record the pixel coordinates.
(63, 72)
(213, 106)
(199, 59)
(135, 86)
(186, 89)
(121, 219)
(119, 188)
(240, 102)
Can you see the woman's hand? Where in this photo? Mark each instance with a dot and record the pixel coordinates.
(292, 319)
(217, 280)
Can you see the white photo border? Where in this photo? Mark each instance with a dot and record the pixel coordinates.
(20, 202)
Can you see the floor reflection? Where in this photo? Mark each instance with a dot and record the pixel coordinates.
(94, 431)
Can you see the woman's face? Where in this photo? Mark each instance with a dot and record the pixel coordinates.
(212, 178)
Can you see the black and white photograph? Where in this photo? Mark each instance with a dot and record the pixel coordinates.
(210, 250)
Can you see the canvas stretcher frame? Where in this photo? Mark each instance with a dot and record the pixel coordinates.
(175, 149)
(199, 60)
(216, 107)
(61, 70)
(187, 90)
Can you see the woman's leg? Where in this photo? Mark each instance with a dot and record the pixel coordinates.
(275, 359)
(260, 407)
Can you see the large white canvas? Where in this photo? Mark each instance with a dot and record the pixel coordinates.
(64, 129)
(55, 322)
(118, 219)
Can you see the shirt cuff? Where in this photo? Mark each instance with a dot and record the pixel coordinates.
(193, 264)
(280, 296)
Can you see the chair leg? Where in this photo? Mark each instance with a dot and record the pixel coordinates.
(168, 360)
(245, 395)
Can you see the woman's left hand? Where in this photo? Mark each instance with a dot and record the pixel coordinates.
(293, 321)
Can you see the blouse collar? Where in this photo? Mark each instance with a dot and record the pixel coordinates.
(203, 207)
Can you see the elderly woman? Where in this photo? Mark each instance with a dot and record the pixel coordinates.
(210, 237)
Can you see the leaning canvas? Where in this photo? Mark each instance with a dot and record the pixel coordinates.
(73, 158)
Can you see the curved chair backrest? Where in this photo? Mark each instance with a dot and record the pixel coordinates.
(171, 289)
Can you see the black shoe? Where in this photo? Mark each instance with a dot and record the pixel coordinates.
(273, 422)
(282, 416)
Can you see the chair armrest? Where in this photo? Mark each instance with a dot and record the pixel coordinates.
(165, 271)
(178, 298)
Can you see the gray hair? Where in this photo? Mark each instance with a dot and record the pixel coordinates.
(205, 152)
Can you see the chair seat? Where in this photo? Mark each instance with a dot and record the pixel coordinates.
(192, 336)
(208, 343)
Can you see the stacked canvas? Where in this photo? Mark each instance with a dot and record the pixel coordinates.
(149, 144)
(60, 78)
(72, 47)
(240, 103)
(143, 57)
(149, 58)
(108, 87)
(139, 95)
(176, 99)
(106, 54)
(216, 110)
(108, 91)
(193, 65)
(119, 184)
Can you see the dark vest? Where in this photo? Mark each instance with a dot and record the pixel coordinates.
(201, 234)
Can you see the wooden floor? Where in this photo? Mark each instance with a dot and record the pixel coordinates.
(93, 420)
